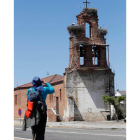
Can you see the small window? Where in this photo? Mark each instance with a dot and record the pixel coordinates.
(60, 94)
(15, 99)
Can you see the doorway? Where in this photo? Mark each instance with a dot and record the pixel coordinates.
(57, 105)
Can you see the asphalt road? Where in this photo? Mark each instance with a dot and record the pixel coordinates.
(72, 134)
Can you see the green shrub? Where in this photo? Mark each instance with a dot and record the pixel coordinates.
(121, 98)
(120, 114)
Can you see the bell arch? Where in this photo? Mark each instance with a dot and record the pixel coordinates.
(87, 30)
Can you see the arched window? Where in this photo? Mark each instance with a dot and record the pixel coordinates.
(87, 30)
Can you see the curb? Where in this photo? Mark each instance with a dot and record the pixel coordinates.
(76, 127)
(18, 124)
(84, 127)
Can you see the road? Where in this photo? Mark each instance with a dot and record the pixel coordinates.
(72, 134)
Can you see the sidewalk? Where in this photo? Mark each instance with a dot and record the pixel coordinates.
(86, 125)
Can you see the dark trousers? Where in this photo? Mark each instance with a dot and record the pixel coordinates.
(39, 130)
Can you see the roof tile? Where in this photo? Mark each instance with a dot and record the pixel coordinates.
(47, 79)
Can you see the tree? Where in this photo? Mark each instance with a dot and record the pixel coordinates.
(111, 100)
(120, 98)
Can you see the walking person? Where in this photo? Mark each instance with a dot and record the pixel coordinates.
(38, 131)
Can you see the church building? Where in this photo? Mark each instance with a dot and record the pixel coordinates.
(78, 93)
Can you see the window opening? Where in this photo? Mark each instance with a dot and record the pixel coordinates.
(81, 55)
(95, 61)
(87, 30)
(15, 99)
(60, 94)
(57, 105)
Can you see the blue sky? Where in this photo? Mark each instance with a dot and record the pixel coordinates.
(41, 40)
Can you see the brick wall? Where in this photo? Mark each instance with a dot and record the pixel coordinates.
(51, 116)
(21, 102)
(51, 103)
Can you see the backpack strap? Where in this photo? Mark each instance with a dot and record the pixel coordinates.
(40, 96)
(44, 107)
(31, 89)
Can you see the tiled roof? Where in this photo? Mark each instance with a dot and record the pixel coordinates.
(51, 79)
(122, 92)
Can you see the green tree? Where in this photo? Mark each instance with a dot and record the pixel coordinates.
(111, 100)
(120, 98)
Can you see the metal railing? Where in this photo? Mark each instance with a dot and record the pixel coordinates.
(94, 63)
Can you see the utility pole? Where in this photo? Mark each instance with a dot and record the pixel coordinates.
(109, 91)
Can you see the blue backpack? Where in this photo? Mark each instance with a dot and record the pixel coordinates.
(34, 96)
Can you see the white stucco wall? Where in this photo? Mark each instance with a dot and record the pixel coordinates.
(87, 90)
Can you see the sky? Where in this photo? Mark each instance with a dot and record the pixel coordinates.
(41, 39)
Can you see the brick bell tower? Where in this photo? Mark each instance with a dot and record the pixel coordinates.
(87, 51)
(88, 75)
